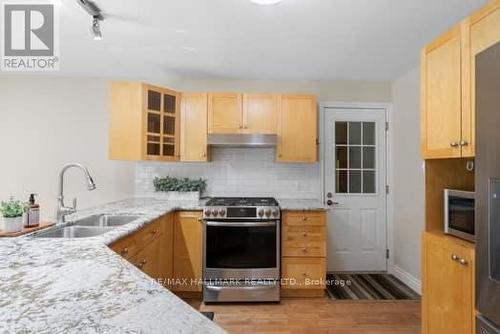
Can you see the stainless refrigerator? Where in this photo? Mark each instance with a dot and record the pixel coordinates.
(488, 190)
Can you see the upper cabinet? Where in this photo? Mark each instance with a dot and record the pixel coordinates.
(479, 31)
(144, 122)
(448, 84)
(297, 129)
(441, 97)
(224, 113)
(194, 127)
(242, 113)
(260, 113)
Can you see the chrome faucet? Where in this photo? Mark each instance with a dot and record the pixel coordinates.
(63, 210)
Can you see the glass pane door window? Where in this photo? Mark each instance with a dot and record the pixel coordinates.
(355, 158)
(241, 247)
(161, 124)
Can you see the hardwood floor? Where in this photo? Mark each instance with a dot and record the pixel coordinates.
(317, 315)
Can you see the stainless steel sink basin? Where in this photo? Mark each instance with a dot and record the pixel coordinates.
(72, 232)
(105, 220)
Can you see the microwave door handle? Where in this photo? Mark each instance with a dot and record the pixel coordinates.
(241, 224)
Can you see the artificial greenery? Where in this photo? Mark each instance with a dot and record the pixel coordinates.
(12, 209)
(179, 184)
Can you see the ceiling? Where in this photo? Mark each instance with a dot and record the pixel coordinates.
(236, 39)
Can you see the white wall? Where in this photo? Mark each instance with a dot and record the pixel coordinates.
(239, 172)
(46, 122)
(407, 173)
(350, 91)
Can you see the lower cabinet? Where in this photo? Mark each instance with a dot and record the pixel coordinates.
(187, 253)
(447, 285)
(303, 245)
(150, 249)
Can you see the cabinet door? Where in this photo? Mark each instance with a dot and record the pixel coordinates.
(448, 301)
(194, 127)
(306, 273)
(441, 97)
(480, 31)
(149, 259)
(260, 113)
(225, 113)
(297, 129)
(162, 121)
(188, 234)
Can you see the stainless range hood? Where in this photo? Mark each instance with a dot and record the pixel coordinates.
(242, 140)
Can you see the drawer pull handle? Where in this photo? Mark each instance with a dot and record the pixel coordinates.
(304, 250)
(141, 264)
(304, 274)
(304, 234)
(454, 144)
(305, 219)
(124, 250)
(154, 231)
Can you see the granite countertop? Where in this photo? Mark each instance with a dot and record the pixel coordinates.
(302, 204)
(80, 285)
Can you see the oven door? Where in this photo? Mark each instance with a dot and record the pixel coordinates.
(241, 250)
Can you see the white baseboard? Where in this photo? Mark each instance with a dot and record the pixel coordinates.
(408, 279)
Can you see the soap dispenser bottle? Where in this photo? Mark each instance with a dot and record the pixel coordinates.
(33, 212)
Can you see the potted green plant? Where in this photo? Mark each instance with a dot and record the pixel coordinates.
(12, 215)
(172, 188)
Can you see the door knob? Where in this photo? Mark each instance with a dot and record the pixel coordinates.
(330, 202)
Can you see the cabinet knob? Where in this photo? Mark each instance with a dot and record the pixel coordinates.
(304, 250)
(304, 234)
(454, 144)
(454, 257)
(154, 231)
(204, 155)
(241, 126)
(305, 219)
(463, 262)
(464, 143)
(304, 274)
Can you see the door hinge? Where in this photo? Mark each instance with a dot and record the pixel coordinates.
(387, 189)
(386, 126)
(387, 253)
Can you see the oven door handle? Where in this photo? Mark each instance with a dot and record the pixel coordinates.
(235, 224)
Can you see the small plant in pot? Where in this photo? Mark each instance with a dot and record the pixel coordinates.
(12, 215)
(179, 188)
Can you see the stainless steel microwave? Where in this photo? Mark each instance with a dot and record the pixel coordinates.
(459, 214)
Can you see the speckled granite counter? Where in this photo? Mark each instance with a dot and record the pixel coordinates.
(302, 204)
(67, 286)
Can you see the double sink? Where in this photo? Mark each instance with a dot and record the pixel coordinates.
(87, 227)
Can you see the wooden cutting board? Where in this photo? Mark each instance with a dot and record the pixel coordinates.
(26, 230)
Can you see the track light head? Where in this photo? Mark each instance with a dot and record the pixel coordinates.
(96, 29)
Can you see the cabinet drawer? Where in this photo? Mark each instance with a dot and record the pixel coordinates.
(304, 241)
(304, 218)
(143, 261)
(126, 247)
(303, 271)
(147, 234)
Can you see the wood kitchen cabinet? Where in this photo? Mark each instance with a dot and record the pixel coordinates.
(303, 262)
(441, 130)
(297, 129)
(188, 241)
(479, 31)
(150, 249)
(448, 84)
(224, 113)
(144, 122)
(242, 113)
(194, 127)
(447, 284)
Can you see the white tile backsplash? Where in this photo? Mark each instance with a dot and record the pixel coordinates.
(238, 172)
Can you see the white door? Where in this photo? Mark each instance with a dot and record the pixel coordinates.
(355, 189)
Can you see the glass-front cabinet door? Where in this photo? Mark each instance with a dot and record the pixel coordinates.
(162, 124)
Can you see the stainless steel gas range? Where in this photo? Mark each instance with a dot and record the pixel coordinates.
(241, 250)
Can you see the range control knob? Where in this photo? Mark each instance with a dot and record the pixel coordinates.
(267, 213)
(222, 212)
(208, 213)
(260, 212)
(275, 213)
(215, 212)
